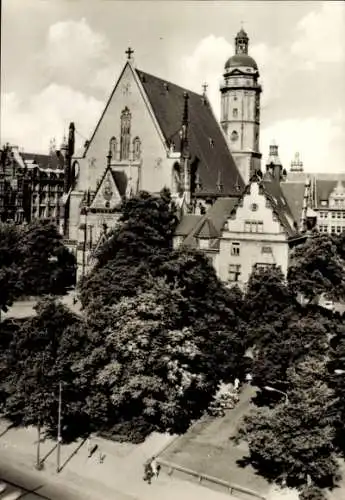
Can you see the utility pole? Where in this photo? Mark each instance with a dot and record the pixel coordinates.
(58, 448)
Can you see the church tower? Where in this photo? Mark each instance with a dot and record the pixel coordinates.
(240, 108)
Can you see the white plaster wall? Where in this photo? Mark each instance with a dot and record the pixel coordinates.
(251, 244)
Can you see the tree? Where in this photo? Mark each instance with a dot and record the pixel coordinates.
(316, 268)
(286, 342)
(149, 364)
(294, 440)
(336, 367)
(267, 297)
(47, 266)
(134, 249)
(39, 357)
(10, 257)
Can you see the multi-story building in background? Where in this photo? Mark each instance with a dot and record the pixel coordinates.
(31, 185)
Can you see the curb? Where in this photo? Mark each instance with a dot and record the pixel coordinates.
(207, 481)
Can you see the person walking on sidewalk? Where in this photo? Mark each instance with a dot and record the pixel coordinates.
(148, 471)
(155, 467)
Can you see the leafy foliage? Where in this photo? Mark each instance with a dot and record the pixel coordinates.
(47, 265)
(33, 261)
(317, 268)
(137, 246)
(291, 441)
(151, 362)
(40, 356)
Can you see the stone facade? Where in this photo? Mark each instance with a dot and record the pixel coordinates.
(31, 185)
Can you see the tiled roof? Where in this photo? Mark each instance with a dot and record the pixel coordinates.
(294, 194)
(45, 162)
(208, 230)
(280, 206)
(187, 224)
(323, 189)
(211, 224)
(206, 140)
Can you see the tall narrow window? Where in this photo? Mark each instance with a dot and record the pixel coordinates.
(177, 181)
(125, 134)
(136, 148)
(113, 147)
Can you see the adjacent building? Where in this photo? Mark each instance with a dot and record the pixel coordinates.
(31, 185)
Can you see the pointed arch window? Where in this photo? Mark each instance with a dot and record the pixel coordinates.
(113, 147)
(136, 148)
(177, 181)
(125, 134)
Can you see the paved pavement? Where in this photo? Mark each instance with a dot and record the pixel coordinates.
(119, 477)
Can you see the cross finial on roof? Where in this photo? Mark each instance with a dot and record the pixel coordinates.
(204, 87)
(129, 53)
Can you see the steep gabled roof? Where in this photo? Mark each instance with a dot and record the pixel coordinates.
(294, 194)
(209, 225)
(206, 140)
(280, 206)
(274, 194)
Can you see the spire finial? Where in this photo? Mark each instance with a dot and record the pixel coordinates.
(204, 88)
(129, 53)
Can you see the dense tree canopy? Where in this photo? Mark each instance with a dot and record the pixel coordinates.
(47, 265)
(33, 261)
(136, 247)
(39, 357)
(295, 438)
(317, 268)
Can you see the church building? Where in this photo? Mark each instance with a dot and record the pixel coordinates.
(154, 134)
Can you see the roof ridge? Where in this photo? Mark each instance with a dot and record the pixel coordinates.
(167, 81)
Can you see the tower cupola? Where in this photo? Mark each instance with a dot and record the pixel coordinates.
(241, 42)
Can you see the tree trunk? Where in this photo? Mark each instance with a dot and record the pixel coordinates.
(38, 459)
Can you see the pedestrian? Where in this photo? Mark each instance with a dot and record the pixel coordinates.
(154, 467)
(101, 457)
(148, 472)
(249, 378)
(236, 384)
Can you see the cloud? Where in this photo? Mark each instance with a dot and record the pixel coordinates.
(75, 55)
(206, 64)
(319, 141)
(320, 35)
(34, 123)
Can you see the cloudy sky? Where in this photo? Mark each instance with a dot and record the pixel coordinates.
(60, 60)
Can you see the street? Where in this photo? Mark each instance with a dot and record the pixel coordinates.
(118, 478)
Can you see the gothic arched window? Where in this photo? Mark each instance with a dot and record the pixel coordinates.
(113, 147)
(177, 181)
(125, 134)
(136, 148)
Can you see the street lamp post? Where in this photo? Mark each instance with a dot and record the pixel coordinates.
(272, 389)
(58, 447)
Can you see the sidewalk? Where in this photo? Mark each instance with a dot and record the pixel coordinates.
(119, 477)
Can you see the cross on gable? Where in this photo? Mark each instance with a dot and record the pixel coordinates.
(129, 53)
(204, 87)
